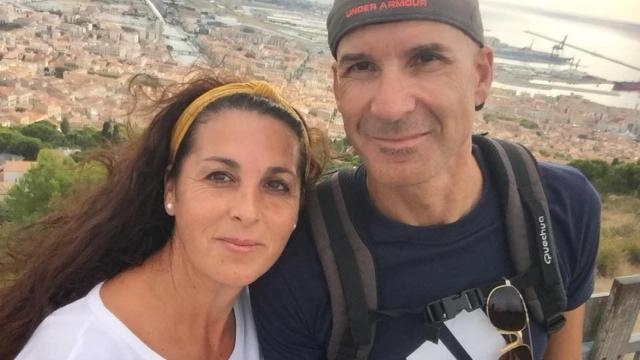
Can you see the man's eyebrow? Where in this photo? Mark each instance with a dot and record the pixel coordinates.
(432, 48)
(226, 161)
(352, 57)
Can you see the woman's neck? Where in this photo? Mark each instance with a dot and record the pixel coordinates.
(173, 309)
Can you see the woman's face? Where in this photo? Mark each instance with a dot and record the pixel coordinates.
(236, 197)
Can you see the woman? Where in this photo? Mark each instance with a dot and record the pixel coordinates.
(155, 263)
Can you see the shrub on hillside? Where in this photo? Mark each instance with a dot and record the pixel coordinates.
(610, 257)
(632, 249)
(615, 178)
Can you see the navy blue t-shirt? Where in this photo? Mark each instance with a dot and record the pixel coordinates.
(417, 265)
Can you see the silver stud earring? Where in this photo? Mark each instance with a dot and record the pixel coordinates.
(294, 226)
(169, 207)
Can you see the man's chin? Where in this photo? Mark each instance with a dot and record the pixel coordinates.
(397, 174)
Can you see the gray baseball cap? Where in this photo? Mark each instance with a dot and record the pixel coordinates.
(347, 15)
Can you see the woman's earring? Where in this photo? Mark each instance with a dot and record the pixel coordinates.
(294, 226)
(169, 208)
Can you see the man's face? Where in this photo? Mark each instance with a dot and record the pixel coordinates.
(407, 92)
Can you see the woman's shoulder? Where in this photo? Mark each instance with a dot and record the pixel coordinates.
(246, 346)
(81, 330)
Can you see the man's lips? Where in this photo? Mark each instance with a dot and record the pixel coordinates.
(405, 140)
(240, 245)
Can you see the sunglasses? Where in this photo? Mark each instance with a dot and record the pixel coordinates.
(508, 313)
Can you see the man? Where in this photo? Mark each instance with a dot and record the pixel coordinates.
(408, 78)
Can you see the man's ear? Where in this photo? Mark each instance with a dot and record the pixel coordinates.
(484, 74)
(334, 72)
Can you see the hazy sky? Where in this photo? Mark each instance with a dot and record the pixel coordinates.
(625, 10)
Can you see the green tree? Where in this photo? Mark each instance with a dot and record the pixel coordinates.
(118, 134)
(8, 137)
(12, 141)
(84, 138)
(88, 176)
(64, 126)
(27, 147)
(594, 170)
(50, 178)
(45, 132)
(107, 130)
(618, 178)
(624, 178)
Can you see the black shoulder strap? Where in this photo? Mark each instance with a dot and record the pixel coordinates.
(348, 267)
(528, 225)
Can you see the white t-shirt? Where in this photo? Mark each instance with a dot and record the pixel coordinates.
(87, 330)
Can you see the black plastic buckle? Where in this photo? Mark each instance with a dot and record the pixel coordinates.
(451, 306)
(475, 297)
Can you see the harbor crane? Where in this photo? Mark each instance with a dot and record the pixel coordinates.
(557, 48)
(560, 45)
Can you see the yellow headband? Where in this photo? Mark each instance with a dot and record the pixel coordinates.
(259, 88)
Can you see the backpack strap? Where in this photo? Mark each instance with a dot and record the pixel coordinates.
(348, 268)
(528, 226)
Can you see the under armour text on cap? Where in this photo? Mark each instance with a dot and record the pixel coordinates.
(347, 15)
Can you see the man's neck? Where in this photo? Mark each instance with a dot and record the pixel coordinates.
(442, 199)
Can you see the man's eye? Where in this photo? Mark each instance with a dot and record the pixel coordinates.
(220, 177)
(428, 57)
(424, 58)
(359, 67)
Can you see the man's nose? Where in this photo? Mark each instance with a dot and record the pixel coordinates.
(393, 98)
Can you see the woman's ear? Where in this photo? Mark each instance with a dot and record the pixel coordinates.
(169, 192)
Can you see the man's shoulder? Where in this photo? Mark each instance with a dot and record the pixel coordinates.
(561, 173)
(567, 183)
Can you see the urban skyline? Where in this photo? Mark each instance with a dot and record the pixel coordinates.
(73, 60)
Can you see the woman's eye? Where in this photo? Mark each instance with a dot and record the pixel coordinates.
(220, 177)
(277, 186)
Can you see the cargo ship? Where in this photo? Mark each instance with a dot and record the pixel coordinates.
(626, 86)
(525, 54)
(528, 55)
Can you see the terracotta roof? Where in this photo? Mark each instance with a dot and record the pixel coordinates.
(17, 166)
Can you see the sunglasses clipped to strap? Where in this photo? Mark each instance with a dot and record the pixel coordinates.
(507, 311)
(504, 306)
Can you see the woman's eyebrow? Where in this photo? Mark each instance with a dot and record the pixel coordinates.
(226, 161)
(279, 170)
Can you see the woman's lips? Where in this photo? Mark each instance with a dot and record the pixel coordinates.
(239, 245)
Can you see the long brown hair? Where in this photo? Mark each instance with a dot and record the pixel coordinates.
(59, 258)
